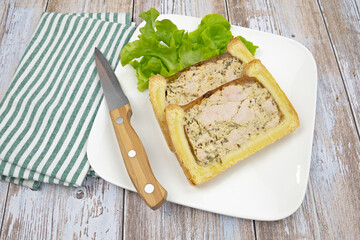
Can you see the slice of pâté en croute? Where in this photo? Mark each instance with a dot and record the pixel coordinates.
(193, 81)
(227, 124)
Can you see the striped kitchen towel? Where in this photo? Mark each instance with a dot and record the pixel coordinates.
(48, 111)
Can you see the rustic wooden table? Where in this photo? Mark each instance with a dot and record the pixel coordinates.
(99, 210)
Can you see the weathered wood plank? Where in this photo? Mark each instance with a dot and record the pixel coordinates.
(172, 221)
(4, 8)
(342, 19)
(195, 8)
(17, 22)
(4, 187)
(333, 213)
(56, 212)
(89, 6)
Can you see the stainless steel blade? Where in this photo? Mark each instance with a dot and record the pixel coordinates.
(113, 93)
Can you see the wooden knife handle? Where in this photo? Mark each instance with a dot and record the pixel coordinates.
(135, 158)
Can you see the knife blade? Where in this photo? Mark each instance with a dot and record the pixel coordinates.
(132, 150)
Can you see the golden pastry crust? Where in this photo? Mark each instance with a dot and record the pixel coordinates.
(158, 83)
(157, 87)
(175, 115)
(237, 49)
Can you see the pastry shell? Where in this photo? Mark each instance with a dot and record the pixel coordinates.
(158, 83)
(197, 174)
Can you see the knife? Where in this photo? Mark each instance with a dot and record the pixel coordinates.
(132, 150)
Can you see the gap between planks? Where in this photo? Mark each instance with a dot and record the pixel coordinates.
(123, 214)
(3, 212)
(8, 186)
(338, 65)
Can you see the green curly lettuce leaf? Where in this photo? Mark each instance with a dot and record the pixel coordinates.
(165, 50)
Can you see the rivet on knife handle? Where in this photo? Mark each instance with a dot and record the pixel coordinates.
(135, 159)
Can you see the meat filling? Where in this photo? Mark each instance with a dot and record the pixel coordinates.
(228, 119)
(196, 81)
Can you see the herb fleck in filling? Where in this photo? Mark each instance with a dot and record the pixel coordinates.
(197, 80)
(228, 119)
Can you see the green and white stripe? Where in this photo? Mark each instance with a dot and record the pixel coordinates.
(48, 110)
(108, 17)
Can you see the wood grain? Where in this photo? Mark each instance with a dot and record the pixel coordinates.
(56, 212)
(138, 166)
(189, 7)
(18, 20)
(342, 20)
(334, 172)
(4, 188)
(79, 6)
(178, 222)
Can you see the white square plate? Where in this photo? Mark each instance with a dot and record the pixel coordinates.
(269, 185)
